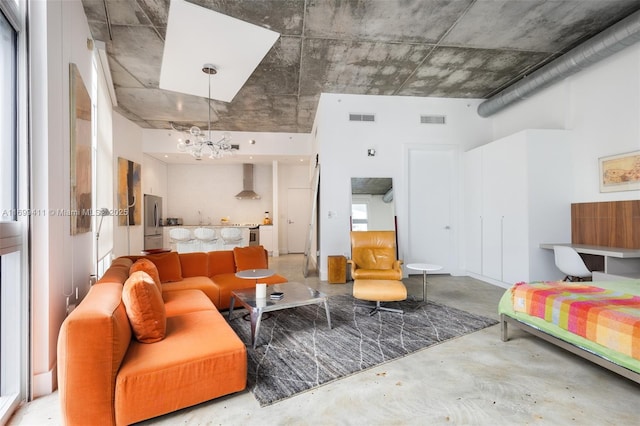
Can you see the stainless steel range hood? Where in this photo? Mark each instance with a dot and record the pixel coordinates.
(247, 192)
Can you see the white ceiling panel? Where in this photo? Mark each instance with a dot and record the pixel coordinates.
(197, 36)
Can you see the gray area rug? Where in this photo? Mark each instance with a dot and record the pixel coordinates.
(298, 352)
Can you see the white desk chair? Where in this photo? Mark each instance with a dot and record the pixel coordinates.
(206, 239)
(571, 264)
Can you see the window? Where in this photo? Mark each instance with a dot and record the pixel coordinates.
(8, 53)
(359, 216)
(13, 211)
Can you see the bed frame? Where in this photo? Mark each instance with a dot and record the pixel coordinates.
(588, 355)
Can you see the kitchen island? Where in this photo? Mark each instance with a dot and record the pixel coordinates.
(196, 238)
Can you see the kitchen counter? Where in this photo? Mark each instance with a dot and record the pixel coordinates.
(192, 244)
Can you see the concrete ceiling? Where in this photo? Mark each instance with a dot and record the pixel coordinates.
(439, 48)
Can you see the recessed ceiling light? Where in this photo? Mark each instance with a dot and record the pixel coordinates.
(166, 156)
(252, 141)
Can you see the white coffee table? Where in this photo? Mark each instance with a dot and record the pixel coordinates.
(424, 267)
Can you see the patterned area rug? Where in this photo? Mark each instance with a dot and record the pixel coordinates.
(297, 352)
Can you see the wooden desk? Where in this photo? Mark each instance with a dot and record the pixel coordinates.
(618, 262)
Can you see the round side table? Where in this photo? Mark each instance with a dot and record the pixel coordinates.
(424, 267)
(255, 274)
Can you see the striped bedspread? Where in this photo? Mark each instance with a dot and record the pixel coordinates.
(607, 317)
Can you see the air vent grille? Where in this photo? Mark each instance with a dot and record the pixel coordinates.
(433, 119)
(362, 117)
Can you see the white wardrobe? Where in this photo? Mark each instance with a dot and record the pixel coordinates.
(517, 194)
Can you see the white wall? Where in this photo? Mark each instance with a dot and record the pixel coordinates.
(211, 188)
(343, 152)
(60, 262)
(127, 143)
(601, 105)
(154, 177)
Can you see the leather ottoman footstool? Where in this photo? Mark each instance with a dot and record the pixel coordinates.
(380, 291)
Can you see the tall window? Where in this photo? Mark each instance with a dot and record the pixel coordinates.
(8, 53)
(13, 215)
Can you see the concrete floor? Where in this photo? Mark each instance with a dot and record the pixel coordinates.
(472, 380)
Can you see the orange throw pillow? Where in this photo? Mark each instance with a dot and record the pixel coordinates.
(144, 307)
(252, 257)
(149, 267)
(168, 265)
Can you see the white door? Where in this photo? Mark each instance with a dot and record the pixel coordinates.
(298, 216)
(432, 183)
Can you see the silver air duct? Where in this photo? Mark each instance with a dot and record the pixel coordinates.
(612, 40)
(247, 184)
(388, 196)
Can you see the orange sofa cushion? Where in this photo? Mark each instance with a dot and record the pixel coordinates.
(204, 284)
(185, 301)
(194, 264)
(168, 265)
(221, 262)
(145, 307)
(145, 265)
(200, 359)
(252, 257)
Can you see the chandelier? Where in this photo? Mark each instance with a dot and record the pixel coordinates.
(199, 143)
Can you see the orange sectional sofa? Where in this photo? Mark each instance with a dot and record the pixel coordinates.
(212, 272)
(110, 372)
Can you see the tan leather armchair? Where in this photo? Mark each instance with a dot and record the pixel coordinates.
(373, 256)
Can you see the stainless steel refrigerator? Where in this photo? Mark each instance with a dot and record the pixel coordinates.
(152, 222)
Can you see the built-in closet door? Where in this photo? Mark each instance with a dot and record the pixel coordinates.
(516, 197)
(433, 182)
(473, 210)
(495, 173)
(504, 207)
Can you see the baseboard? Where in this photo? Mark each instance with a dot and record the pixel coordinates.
(497, 283)
(44, 383)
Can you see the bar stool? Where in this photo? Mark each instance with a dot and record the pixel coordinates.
(206, 238)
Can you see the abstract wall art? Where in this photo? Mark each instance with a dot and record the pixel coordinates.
(129, 193)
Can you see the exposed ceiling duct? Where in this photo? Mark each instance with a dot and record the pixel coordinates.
(612, 40)
(247, 192)
(388, 196)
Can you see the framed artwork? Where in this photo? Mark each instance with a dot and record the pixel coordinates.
(80, 164)
(620, 172)
(129, 193)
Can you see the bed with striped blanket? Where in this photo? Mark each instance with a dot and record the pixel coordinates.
(598, 321)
